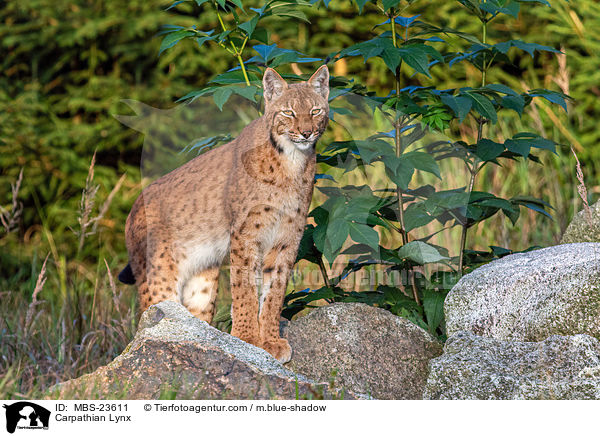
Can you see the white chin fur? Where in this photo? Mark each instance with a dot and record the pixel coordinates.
(303, 145)
(295, 152)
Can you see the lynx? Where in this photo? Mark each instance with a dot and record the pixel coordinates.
(248, 198)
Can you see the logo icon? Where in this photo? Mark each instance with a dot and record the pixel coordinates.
(26, 415)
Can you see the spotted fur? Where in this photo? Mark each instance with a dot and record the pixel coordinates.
(249, 199)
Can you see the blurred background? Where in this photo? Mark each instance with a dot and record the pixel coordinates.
(67, 66)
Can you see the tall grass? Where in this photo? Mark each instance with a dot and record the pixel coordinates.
(67, 317)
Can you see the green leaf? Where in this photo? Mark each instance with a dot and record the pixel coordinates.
(323, 293)
(529, 47)
(372, 149)
(552, 96)
(387, 4)
(536, 141)
(336, 235)
(488, 150)
(496, 7)
(248, 92)
(400, 171)
(175, 4)
(521, 147)
(501, 88)
(234, 77)
(514, 102)
(249, 26)
(238, 3)
(416, 58)
(433, 305)
(173, 38)
(461, 105)
(420, 253)
(361, 4)
(391, 57)
(221, 96)
(544, 2)
(416, 216)
(534, 204)
(484, 106)
(198, 93)
(294, 13)
(364, 234)
(422, 161)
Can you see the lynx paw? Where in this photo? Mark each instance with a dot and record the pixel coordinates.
(249, 338)
(279, 348)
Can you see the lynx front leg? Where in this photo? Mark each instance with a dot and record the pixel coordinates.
(244, 294)
(277, 267)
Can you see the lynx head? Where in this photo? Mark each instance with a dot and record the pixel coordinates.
(298, 113)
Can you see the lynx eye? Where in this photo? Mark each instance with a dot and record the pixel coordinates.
(315, 111)
(288, 113)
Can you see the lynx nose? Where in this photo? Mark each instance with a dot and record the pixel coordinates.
(306, 133)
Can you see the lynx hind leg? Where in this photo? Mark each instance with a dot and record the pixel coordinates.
(159, 281)
(200, 293)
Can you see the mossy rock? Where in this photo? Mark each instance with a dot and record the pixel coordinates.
(478, 368)
(584, 227)
(530, 296)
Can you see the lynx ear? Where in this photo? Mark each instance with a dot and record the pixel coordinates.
(273, 85)
(320, 81)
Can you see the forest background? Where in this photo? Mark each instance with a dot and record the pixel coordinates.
(67, 66)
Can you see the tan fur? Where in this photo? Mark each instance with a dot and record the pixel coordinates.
(248, 198)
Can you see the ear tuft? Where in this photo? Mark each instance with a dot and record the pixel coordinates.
(320, 81)
(273, 85)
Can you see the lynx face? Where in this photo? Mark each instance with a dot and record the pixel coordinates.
(299, 112)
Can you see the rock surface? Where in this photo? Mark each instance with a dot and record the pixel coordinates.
(584, 228)
(530, 296)
(474, 367)
(175, 355)
(371, 350)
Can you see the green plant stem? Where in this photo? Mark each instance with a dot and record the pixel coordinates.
(474, 169)
(398, 132)
(324, 272)
(236, 52)
(398, 123)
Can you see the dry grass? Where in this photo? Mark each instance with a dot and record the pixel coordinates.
(581, 189)
(88, 224)
(9, 218)
(39, 285)
(85, 320)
